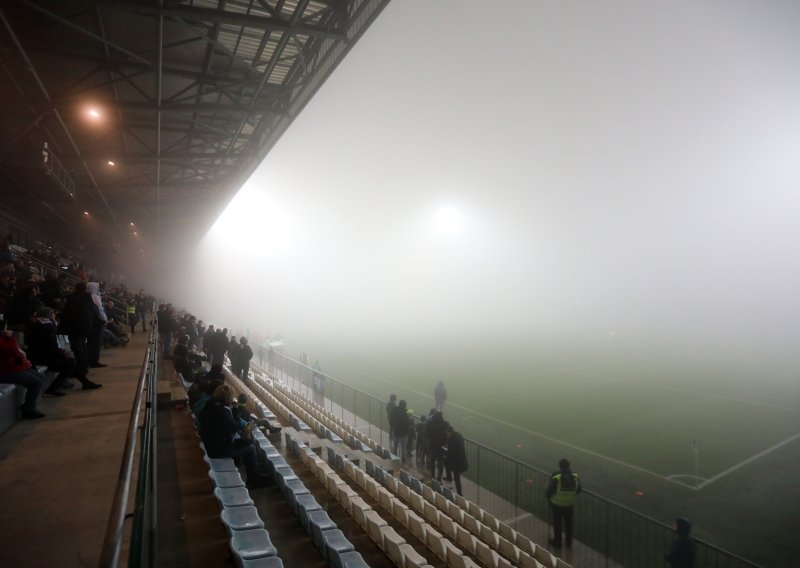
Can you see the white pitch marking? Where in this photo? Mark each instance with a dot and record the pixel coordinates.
(747, 461)
(518, 518)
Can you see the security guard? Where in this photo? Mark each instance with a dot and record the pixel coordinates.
(132, 313)
(561, 491)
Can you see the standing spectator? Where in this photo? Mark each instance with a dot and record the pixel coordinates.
(436, 431)
(141, 308)
(43, 349)
(390, 406)
(440, 396)
(166, 327)
(422, 442)
(217, 347)
(681, 553)
(207, 335)
(76, 322)
(245, 356)
(233, 354)
(456, 459)
(191, 331)
(399, 424)
(561, 492)
(95, 341)
(16, 369)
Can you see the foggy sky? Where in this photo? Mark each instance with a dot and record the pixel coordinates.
(618, 167)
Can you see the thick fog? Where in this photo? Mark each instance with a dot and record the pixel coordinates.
(583, 172)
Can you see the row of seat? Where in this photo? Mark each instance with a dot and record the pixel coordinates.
(395, 546)
(335, 548)
(248, 538)
(504, 543)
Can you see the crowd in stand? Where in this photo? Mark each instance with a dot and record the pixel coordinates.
(57, 319)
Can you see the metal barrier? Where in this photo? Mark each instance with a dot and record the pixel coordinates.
(615, 534)
(143, 530)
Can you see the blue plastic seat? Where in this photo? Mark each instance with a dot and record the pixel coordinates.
(284, 474)
(352, 560)
(379, 475)
(340, 462)
(336, 544)
(405, 479)
(448, 494)
(292, 489)
(416, 485)
(268, 562)
(304, 504)
(233, 496)
(226, 478)
(241, 519)
(251, 544)
(220, 464)
(319, 522)
(436, 486)
(331, 455)
(370, 468)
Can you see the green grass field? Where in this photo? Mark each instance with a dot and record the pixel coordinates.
(627, 423)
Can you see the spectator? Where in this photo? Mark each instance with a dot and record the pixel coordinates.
(131, 311)
(166, 328)
(16, 369)
(564, 486)
(435, 429)
(390, 406)
(400, 426)
(95, 341)
(422, 442)
(440, 396)
(223, 435)
(681, 553)
(43, 349)
(76, 322)
(217, 347)
(141, 308)
(233, 355)
(245, 356)
(456, 459)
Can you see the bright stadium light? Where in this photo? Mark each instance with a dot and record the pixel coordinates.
(448, 220)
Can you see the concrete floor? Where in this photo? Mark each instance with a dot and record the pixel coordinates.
(58, 474)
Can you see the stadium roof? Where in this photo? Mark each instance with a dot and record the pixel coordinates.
(153, 111)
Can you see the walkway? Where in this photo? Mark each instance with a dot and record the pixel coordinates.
(58, 474)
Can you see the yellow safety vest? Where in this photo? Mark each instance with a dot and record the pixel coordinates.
(564, 497)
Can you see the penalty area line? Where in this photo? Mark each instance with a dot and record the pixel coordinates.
(751, 459)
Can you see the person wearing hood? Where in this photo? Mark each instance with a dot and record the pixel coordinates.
(95, 341)
(43, 349)
(564, 486)
(681, 553)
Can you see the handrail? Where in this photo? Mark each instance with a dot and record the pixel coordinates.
(115, 532)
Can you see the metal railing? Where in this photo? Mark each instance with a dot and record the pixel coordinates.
(613, 533)
(142, 548)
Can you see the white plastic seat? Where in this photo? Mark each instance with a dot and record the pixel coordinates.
(490, 537)
(435, 541)
(412, 558)
(374, 524)
(417, 526)
(509, 550)
(486, 555)
(390, 543)
(465, 539)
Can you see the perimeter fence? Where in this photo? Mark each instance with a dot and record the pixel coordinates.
(503, 485)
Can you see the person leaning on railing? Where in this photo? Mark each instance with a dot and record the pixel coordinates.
(564, 486)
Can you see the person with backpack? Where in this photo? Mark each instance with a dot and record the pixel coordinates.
(564, 486)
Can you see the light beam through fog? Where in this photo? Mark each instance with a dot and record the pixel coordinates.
(555, 179)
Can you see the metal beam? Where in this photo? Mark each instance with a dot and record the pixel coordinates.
(212, 16)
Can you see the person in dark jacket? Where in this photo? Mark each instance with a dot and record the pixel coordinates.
(223, 436)
(77, 320)
(681, 553)
(400, 425)
(390, 406)
(436, 431)
(217, 347)
(233, 355)
(245, 356)
(564, 486)
(456, 458)
(16, 369)
(43, 349)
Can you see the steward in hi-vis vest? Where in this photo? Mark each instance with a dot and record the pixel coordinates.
(561, 491)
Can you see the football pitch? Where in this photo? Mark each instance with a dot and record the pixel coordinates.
(661, 437)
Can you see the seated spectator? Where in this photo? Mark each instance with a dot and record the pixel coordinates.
(224, 436)
(110, 339)
(42, 342)
(247, 416)
(16, 369)
(185, 362)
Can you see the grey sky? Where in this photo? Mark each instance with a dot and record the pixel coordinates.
(621, 166)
